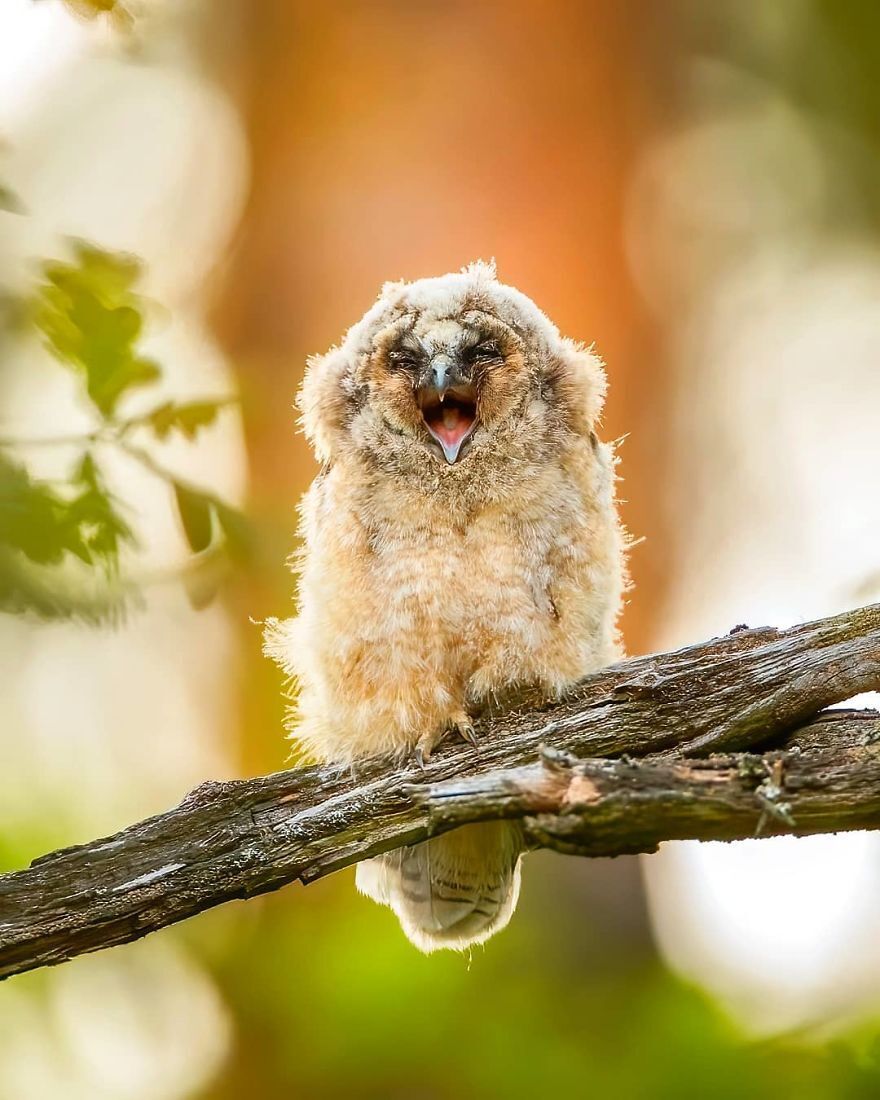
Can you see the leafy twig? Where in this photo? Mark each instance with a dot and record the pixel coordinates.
(91, 319)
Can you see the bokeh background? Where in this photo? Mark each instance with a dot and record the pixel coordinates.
(691, 185)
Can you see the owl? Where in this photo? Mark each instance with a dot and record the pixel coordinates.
(459, 545)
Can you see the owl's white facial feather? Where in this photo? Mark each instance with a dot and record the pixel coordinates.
(451, 377)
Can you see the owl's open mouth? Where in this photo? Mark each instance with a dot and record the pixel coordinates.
(450, 416)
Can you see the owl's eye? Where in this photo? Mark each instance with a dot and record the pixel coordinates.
(402, 358)
(487, 351)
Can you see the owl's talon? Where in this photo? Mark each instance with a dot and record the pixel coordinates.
(466, 732)
(424, 747)
(460, 725)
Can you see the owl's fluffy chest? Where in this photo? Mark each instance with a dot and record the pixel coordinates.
(415, 610)
(453, 592)
(461, 602)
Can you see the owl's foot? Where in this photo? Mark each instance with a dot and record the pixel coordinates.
(425, 746)
(465, 730)
(460, 724)
(422, 753)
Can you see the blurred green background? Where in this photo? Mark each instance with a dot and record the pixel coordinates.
(195, 196)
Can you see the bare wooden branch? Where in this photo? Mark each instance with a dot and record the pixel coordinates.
(824, 778)
(547, 766)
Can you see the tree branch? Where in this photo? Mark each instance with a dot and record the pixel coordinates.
(546, 766)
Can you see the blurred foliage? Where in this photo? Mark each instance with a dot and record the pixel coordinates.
(823, 57)
(331, 1001)
(119, 12)
(9, 201)
(44, 524)
(91, 318)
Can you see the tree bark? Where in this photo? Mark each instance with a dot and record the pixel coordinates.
(618, 766)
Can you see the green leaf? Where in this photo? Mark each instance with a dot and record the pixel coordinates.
(92, 319)
(187, 418)
(9, 201)
(196, 516)
(201, 515)
(103, 530)
(33, 517)
(203, 580)
(44, 524)
(55, 593)
(92, 9)
(238, 532)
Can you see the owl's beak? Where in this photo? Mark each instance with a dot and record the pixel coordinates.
(449, 409)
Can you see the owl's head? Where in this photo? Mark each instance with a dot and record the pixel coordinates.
(449, 376)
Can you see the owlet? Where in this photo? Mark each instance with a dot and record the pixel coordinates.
(461, 543)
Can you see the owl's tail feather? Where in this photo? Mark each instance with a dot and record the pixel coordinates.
(454, 891)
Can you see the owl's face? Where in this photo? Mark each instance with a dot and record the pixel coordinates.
(450, 378)
(447, 384)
